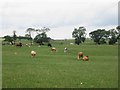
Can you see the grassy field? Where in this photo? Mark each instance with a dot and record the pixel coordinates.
(59, 69)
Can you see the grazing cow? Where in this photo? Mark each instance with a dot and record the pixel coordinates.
(65, 49)
(19, 44)
(49, 45)
(53, 49)
(33, 53)
(80, 55)
(85, 58)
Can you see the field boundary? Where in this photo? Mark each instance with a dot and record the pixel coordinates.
(0, 64)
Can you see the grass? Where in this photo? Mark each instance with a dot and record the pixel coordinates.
(59, 69)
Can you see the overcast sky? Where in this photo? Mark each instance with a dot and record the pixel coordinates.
(61, 16)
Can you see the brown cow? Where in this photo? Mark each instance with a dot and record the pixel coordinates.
(85, 58)
(80, 55)
(19, 44)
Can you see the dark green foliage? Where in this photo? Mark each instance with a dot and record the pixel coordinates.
(22, 37)
(102, 41)
(9, 39)
(112, 40)
(99, 36)
(118, 30)
(40, 38)
(79, 35)
(77, 41)
(41, 35)
(113, 35)
(30, 30)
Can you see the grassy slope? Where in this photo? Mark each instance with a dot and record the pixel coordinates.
(52, 70)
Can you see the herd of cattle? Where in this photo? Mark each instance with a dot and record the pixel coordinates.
(80, 55)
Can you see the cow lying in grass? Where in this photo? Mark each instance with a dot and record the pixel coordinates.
(53, 49)
(85, 58)
(80, 55)
(33, 53)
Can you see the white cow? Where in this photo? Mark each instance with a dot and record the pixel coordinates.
(65, 49)
(33, 53)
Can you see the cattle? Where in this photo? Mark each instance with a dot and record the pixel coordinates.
(19, 44)
(80, 55)
(85, 58)
(65, 50)
(49, 45)
(33, 53)
(53, 49)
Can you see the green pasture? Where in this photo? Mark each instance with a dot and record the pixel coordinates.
(58, 69)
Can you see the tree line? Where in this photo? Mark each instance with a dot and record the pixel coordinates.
(99, 36)
(39, 38)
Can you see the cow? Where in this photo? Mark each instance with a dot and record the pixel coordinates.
(85, 58)
(80, 55)
(19, 44)
(65, 50)
(49, 45)
(53, 49)
(33, 53)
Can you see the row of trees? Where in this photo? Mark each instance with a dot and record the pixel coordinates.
(41, 35)
(39, 38)
(99, 36)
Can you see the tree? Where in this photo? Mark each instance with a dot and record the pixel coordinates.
(99, 36)
(28, 37)
(14, 36)
(118, 37)
(30, 30)
(42, 30)
(42, 36)
(118, 30)
(9, 39)
(113, 34)
(79, 35)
